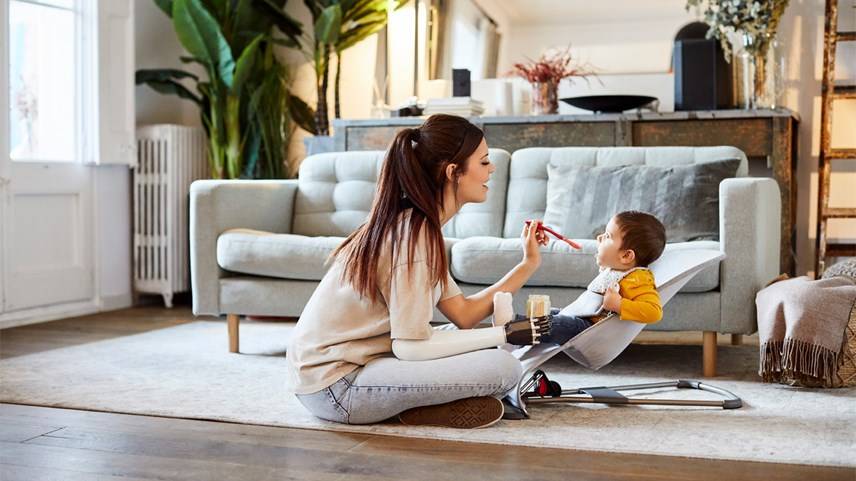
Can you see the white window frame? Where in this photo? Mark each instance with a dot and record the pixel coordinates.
(98, 138)
(82, 12)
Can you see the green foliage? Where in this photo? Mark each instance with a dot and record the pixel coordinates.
(244, 103)
(338, 26)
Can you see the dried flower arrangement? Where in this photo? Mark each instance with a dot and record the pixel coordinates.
(545, 74)
(551, 66)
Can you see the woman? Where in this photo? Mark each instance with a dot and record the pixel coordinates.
(363, 349)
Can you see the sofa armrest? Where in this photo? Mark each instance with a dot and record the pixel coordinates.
(749, 230)
(219, 205)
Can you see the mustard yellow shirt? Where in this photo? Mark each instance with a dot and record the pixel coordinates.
(640, 301)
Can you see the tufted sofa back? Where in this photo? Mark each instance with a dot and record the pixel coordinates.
(335, 193)
(527, 184)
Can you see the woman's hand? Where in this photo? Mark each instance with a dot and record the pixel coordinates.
(533, 238)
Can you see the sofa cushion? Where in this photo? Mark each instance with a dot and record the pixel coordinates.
(288, 256)
(527, 177)
(336, 189)
(485, 260)
(262, 253)
(685, 198)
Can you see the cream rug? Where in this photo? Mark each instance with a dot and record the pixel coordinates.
(185, 371)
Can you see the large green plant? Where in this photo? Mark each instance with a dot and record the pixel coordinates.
(244, 103)
(339, 25)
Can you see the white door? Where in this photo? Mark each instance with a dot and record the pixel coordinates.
(47, 190)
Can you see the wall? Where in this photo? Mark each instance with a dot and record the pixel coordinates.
(639, 40)
(619, 43)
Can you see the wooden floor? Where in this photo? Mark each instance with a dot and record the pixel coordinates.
(61, 444)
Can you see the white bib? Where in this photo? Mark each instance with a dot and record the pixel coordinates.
(590, 302)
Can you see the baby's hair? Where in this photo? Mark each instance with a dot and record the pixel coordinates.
(642, 233)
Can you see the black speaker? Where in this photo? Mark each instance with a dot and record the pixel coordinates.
(702, 76)
(460, 82)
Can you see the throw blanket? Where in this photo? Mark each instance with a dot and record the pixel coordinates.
(801, 325)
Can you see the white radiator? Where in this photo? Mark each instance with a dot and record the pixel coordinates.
(169, 158)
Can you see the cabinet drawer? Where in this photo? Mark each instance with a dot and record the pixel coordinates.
(512, 137)
(752, 136)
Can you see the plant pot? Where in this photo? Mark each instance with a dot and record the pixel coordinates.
(319, 144)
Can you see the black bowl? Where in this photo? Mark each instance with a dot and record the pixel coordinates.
(609, 103)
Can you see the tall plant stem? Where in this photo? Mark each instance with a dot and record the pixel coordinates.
(338, 76)
(233, 136)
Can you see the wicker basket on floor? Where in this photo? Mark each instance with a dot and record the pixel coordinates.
(846, 372)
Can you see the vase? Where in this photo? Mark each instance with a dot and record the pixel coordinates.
(745, 63)
(770, 74)
(545, 98)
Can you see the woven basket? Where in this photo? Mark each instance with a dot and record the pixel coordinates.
(846, 375)
(846, 372)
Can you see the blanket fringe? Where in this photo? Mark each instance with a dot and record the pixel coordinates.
(793, 361)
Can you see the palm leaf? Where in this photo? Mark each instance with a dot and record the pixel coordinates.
(200, 34)
(286, 24)
(328, 25)
(246, 62)
(302, 114)
(166, 6)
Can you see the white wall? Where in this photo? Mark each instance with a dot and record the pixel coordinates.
(637, 37)
(113, 214)
(621, 42)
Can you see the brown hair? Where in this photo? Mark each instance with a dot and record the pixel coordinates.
(413, 176)
(642, 233)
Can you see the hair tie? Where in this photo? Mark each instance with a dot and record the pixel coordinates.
(415, 135)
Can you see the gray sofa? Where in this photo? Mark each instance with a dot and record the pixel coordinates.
(257, 246)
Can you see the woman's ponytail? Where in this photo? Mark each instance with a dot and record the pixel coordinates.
(413, 175)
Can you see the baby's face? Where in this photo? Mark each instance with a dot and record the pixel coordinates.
(609, 252)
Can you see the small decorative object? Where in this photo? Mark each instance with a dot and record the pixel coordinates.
(544, 76)
(757, 22)
(704, 80)
(460, 82)
(609, 103)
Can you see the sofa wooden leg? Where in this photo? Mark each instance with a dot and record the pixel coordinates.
(709, 354)
(736, 339)
(232, 320)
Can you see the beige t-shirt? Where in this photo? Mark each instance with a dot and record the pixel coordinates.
(339, 332)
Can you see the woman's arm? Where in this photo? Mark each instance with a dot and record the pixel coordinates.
(449, 343)
(467, 312)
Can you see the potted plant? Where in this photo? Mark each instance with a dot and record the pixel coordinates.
(246, 109)
(338, 26)
(545, 74)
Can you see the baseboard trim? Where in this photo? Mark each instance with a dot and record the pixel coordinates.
(120, 301)
(45, 314)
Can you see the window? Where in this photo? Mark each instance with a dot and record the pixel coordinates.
(44, 80)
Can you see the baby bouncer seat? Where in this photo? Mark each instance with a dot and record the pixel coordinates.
(598, 345)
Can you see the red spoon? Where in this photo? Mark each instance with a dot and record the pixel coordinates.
(557, 235)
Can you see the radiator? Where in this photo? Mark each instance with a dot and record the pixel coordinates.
(169, 158)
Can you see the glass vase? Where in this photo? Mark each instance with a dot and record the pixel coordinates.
(770, 78)
(545, 98)
(745, 63)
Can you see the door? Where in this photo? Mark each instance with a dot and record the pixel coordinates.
(46, 246)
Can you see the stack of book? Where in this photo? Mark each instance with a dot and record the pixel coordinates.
(463, 106)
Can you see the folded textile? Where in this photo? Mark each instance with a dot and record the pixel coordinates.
(801, 328)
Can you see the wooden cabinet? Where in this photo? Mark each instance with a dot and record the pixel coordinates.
(769, 136)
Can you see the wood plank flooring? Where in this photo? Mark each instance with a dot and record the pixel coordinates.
(41, 443)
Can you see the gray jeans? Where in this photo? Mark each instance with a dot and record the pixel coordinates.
(387, 386)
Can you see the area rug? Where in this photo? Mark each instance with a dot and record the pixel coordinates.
(185, 371)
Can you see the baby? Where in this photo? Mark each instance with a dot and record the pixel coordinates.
(631, 242)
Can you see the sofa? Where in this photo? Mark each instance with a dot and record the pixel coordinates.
(257, 247)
